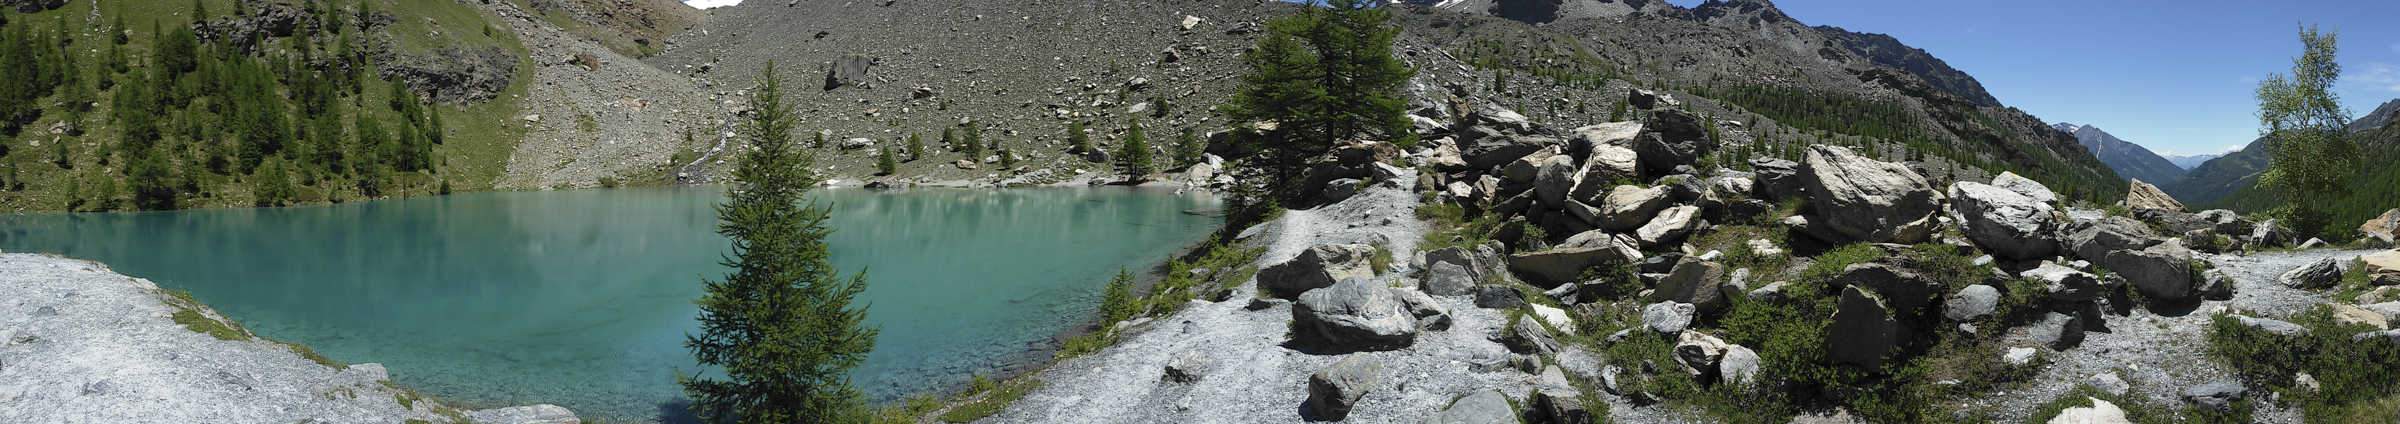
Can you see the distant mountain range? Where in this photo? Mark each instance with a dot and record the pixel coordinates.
(2130, 160)
(2222, 178)
(2189, 162)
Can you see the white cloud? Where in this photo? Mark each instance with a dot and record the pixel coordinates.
(705, 4)
(2230, 149)
(2377, 76)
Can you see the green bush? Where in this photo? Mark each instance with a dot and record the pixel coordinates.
(2352, 374)
(1116, 304)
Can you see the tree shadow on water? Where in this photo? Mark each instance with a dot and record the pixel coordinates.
(678, 411)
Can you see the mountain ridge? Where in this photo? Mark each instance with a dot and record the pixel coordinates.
(2130, 160)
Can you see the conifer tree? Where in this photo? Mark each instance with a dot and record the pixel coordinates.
(1187, 149)
(916, 148)
(781, 324)
(951, 141)
(974, 140)
(884, 165)
(1078, 141)
(1323, 75)
(1134, 157)
(274, 186)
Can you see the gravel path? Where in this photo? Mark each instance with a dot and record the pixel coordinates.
(80, 343)
(1252, 377)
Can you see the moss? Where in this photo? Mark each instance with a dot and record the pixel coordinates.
(192, 320)
(992, 402)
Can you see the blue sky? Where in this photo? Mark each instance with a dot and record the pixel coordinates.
(2173, 76)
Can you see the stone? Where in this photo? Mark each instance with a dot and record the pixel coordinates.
(1475, 266)
(1528, 337)
(1556, 318)
(966, 164)
(1669, 227)
(531, 414)
(1668, 317)
(2378, 295)
(1318, 266)
(2093, 240)
(1813, 227)
(2381, 230)
(1671, 138)
(2101, 412)
(1775, 179)
(2027, 187)
(1972, 303)
(1482, 407)
(1333, 390)
(2352, 314)
(2389, 309)
(1698, 353)
(2004, 222)
(1494, 296)
(1643, 99)
(2320, 274)
(2109, 383)
(2217, 396)
(1906, 291)
(1186, 367)
(2270, 234)
(1430, 315)
(1561, 407)
(1446, 279)
(1524, 169)
(847, 69)
(1339, 189)
(1869, 200)
(2175, 222)
(2278, 327)
(1695, 282)
(2392, 336)
(2018, 356)
(1771, 293)
(1628, 207)
(2058, 331)
(2227, 222)
(2312, 243)
(1550, 268)
(2162, 272)
(1355, 314)
(1189, 21)
(858, 143)
(1764, 248)
(1554, 180)
(1446, 158)
(1739, 366)
(1862, 331)
(2383, 268)
(2146, 196)
(2066, 284)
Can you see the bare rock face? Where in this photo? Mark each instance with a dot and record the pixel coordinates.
(2162, 272)
(2146, 196)
(1333, 390)
(1669, 138)
(847, 70)
(1695, 282)
(1669, 227)
(1319, 266)
(1776, 179)
(1862, 330)
(1355, 314)
(1869, 200)
(2006, 222)
(2383, 268)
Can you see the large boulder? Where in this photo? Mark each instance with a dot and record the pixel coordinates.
(1628, 207)
(2160, 272)
(2215, 396)
(1474, 263)
(1669, 227)
(2066, 284)
(2005, 222)
(1972, 303)
(1671, 138)
(1906, 291)
(1775, 179)
(1862, 331)
(2227, 222)
(1695, 282)
(1740, 366)
(2025, 186)
(2176, 222)
(1319, 266)
(847, 70)
(2092, 240)
(2146, 196)
(1333, 390)
(2271, 234)
(1185, 367)
(2383, 268)
(1550, 268)
(1869, 200)
(1524, 169)
(1446, 279)
(2314, 275)
(2381, 230)
(1561, 407)
(2101, 412)
(1668, 317)
(1527, 336)
(1556, 178)
(1355, 314)
(1698, 353)
(1483, 407)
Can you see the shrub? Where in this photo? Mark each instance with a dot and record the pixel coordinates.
(1116, 304)
(2351, 374)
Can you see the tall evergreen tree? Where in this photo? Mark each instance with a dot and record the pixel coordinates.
(1134, 157)
(2309, 152)
(1078, 141)
(273, 185)
(916, 148)
(1323, 75)
(781, 324)
(884, 164)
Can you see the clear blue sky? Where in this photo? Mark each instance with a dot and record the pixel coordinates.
(2173, 76)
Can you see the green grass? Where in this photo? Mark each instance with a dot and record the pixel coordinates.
(992, 402)
(202, 324)
(2137, 409)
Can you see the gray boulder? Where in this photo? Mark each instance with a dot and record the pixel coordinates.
(1639, 98)
(2101, 412)
(1906, 291)
(1775, 178)
(1430, 315)
(1494, 296)
(2315, 275)
(2279, 327)
(2227, 222)
(2215, 285)
(847, 70)
(1669, 227)
(1672, 138)
(1554, 180)
(2109, 383)
(1446, 279)
(2176, 222)
(1862, 331)
(1668, 317)
(2160, 272)
(1971, 303)
(2215, 396)
(1333, 390)
(1771, 293)
(2066, 284)
(1695, 282)
(1467, 259)
(1550, 268)
(1524, 169)
(1483, 407)
(2006, 223)
(1339, 189)
(1355, 314)
(1740, 366)
(1186, 367)
(1560, 407)
(2146, 196)
(1869, 200)
(2029, 188)
(2271, 234)
(2382, 230)
(1319, 266)
(1527, 336)
(1628, 207)
(2058, 331)
(1698, 353)
(2094, 239)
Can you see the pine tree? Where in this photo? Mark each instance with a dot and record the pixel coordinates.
(1134, 157)
(1187, 149)
(780, 325)
(1324, 75)
(884, 165)
(1078, 141)
(916, 148)
(951, 141)
(974, 141)
(274, 186)
(1116, 301)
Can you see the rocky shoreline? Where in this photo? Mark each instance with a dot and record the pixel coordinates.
(82, 343)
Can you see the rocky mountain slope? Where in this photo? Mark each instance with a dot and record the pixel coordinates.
(1887, 51)
(2128, 159)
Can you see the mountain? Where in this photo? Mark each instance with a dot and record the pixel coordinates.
(2130, 160)
(1887, 51)
(2230, 182)
(2189, 162)
(2220, 177)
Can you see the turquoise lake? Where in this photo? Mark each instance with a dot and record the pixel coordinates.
(581, 298)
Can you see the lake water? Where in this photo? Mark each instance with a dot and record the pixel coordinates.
(582, 298)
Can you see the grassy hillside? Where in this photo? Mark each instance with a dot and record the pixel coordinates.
(141, 106)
